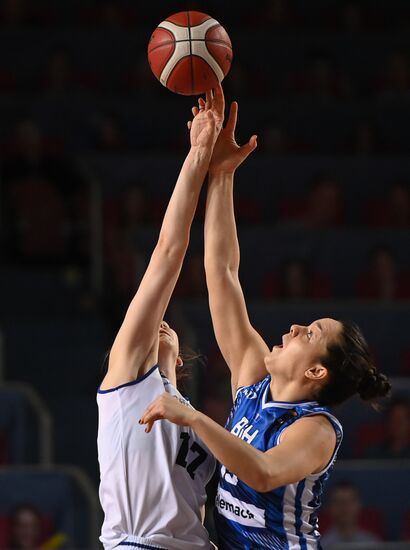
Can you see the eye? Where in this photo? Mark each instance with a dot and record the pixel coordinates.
(309, 334)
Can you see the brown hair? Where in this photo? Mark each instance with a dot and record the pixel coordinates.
(351, 370)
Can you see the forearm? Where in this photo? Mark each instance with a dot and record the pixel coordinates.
(240, 458)
(174, 234)
(221, 239)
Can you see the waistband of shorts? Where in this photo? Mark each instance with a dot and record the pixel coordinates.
(140, 543)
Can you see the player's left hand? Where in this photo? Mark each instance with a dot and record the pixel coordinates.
(168, 407)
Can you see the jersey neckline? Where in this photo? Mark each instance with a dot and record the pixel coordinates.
(282, 404)
(132, 383)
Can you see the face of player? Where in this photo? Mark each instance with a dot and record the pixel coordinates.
(299, 356)
(168, 341)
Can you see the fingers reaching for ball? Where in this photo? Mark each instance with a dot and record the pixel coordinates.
(233, 117)
(195, 111)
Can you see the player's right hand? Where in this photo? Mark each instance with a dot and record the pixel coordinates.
(215, 102)
(227, 154)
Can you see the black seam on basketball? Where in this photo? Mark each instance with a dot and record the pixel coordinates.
(216, 61)
(184, 26)
(206, 40)
(209, 66)
(165, 44)
(172, 71)
(222, 42)
(190, 53)
(168, 58)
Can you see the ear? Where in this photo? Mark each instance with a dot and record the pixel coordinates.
(318, 372)
(179, 361)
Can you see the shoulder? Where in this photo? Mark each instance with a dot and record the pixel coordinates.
(112, 383)
(315, 431)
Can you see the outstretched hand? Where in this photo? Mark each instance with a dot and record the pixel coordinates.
(167, 407)
(208, 119)
(227, 154)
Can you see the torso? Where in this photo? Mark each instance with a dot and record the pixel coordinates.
(285, 518)
(152, 485)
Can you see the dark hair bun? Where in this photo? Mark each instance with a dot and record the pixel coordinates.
(373, 385)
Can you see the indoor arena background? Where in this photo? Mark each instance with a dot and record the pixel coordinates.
(91, 145)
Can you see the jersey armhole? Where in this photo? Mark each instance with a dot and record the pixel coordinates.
(132, 383)
(248, 386)
(333, 421)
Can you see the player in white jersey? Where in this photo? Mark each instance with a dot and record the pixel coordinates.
(152, 486)
(283, 438)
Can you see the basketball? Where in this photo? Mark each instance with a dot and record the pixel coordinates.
(190, 52)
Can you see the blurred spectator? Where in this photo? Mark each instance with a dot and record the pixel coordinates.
(396, 440)
(296, 281)
(126, 211)
(125, 266)
(31, 531)
(42, 194)
(192, 282)
(393, 209)
(237, 84)
(364, 140)
(216, 387)
(321, 80)
(275, 140)
(26, 528)
(325, 203)
(276, 16)
(110, 136)
(396, 83)
(111, 15)
(59, 76)
(108, 14)
(351, 17)
(14, 13)
(382, 279)
(140, 79)
(344, 509)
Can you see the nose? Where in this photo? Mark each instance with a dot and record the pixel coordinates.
(295, 330)
(164, 324)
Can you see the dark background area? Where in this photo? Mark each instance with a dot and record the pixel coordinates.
(90, 147)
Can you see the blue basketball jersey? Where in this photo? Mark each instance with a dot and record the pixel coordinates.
(285, 518)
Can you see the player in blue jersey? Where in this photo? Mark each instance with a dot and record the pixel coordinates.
(283, 438)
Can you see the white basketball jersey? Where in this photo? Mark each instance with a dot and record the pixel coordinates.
(152, 484)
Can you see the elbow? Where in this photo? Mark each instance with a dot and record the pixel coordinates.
(267, 485)
(167, 249)
(264, 480)
(219, 268)
(263, 484)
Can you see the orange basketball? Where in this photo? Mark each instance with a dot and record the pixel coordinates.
(190, 52)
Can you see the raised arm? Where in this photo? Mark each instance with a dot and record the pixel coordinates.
(135, 348)
(241, 346)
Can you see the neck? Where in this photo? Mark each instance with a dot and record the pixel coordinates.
(167, 365)
(289, 391)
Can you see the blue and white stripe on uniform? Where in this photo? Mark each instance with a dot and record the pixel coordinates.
(282, 519)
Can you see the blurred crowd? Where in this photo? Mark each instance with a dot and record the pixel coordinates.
(320, 80)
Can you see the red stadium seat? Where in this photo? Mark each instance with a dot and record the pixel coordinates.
(406, 530)
(367, 435)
